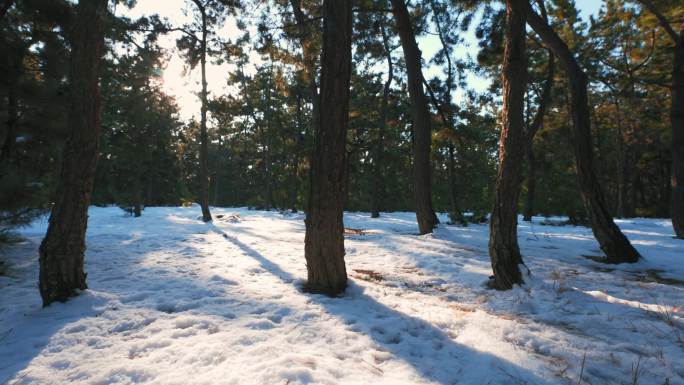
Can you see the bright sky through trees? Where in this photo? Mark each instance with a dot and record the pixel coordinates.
(184, 85)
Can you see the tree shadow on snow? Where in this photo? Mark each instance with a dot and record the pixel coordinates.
(432, 353)
(147, 274)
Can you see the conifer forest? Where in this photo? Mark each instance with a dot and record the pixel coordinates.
(342, 192)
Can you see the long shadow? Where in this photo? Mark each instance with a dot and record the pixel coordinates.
(427, 349)
(271, 267)
(120, 280)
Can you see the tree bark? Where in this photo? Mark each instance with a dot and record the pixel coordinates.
(378, 169)
(614, 244)
(420, 114)
(324, 240)
(503, 237)
(62, 250)
(537, 123)
(203, 155)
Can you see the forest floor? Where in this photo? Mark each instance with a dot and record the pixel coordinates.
(172, 300)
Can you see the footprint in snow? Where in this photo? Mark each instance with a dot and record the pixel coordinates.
(261, 325)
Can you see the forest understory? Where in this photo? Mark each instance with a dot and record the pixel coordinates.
(174, 300)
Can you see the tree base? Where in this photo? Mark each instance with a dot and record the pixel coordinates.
(333, 292)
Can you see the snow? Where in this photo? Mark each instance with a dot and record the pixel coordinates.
(173, 300)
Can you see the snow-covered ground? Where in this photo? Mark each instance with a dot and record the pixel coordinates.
(175, 301)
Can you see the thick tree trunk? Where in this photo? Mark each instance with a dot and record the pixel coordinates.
(420, 114)
(62, 250)
(537, 123)
(378, 169)
(614, 244)
(503, 237)
(677, 117)
(324, 240)
(203, 155)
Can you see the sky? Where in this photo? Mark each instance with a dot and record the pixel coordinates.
(183, 84)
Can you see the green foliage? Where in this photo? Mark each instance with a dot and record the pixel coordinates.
(260, 130)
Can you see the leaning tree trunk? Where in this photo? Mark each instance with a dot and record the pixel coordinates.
(62, 250)
(532, 130)
(378, 166)
(324, 240)
(677, 118)
(503, 237)
(420, 113)
(614, 244)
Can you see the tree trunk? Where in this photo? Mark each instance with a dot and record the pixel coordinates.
(621, 164)
(378, 169)
(324, 240)
(12, 119)
(204, 166)
(537, 123)
(62, 250)
(614, 244)
(420, 114)
(503, 237)
(677, 117)
(137, 202)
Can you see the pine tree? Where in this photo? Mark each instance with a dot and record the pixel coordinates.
(614, 244)
(503, 234)
(63, 248)
(324, 240)
(422, 169)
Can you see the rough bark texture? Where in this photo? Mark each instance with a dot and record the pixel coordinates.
(420, 114)
(62, 250)
(614, 244)
(677, 117)
(503, 237)
(204, 166)
(532, 130)
(324, 240)
(378, 166)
